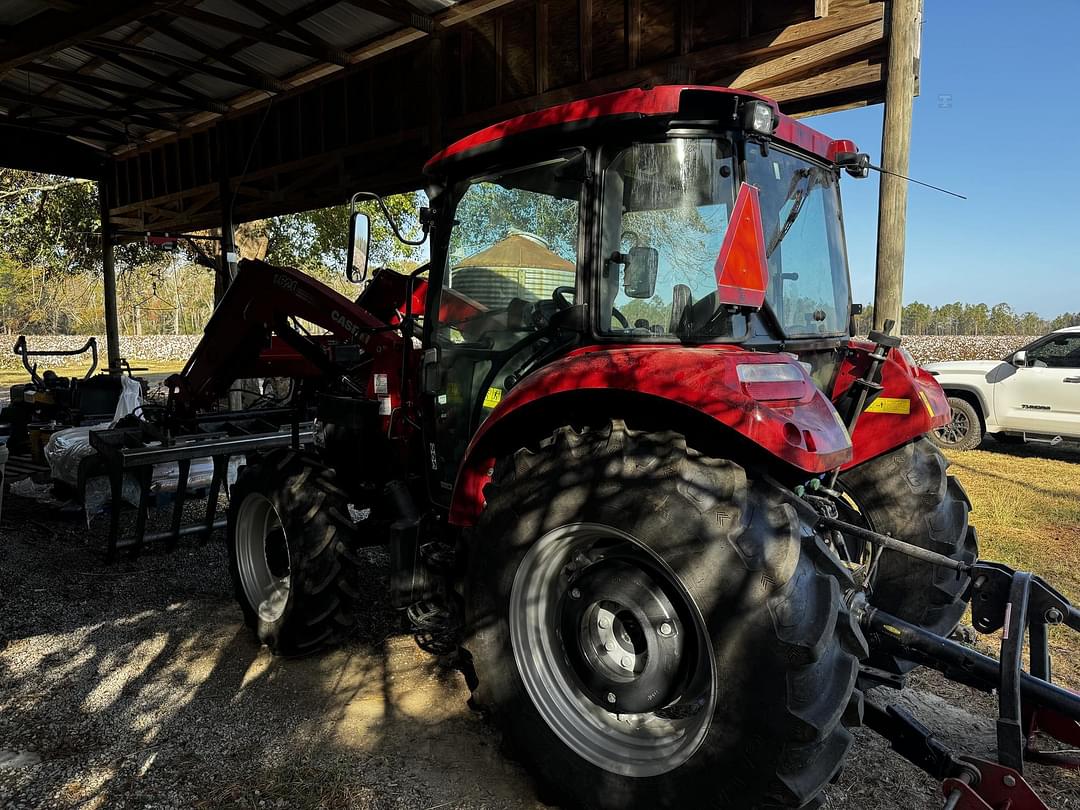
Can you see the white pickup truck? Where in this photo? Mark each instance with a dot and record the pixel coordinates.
(1033, 395)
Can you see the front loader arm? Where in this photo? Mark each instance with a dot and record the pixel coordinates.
(237, 341)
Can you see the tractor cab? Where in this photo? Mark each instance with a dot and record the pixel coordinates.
(677, 216)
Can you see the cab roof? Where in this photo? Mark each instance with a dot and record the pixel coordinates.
(666, 100)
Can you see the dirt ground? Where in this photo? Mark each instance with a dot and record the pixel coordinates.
(137, 685)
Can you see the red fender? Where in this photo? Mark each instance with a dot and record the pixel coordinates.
(790, 419)
(910, 404)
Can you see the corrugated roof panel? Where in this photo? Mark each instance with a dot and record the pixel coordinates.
(269, 59)
(347, 26)
(232, 10)
(213, 37)
(123, 32)
(166, 45)
(212, 86)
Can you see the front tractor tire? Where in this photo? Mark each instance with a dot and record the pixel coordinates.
(651, 628)
(289, 538)
(908, 494)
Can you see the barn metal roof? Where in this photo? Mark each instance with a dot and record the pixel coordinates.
(116, 73)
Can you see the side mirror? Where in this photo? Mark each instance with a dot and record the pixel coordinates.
(639, 276)
(356, 259)
(857, 164)
(1019, 359)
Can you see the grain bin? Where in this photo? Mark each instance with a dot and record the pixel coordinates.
(520, 266)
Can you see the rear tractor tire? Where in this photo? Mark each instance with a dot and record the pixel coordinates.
(289, 553)
(651, 628)
(908, 494)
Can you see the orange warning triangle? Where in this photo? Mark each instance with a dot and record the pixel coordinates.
(742, 273)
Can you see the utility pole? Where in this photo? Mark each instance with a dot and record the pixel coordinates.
(904, 18)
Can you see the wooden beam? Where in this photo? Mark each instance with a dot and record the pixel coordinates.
(103, 113)
(895, 149)
(284, 23)
(334, 56)
(805, 60)
(169, 81)
(827, 82)
(265, 80)
(55, 30)
(129, 92)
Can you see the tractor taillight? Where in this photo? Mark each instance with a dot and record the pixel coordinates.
(768, 372)
(767, 382)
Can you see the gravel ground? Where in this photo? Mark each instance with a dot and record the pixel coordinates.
(137, 686)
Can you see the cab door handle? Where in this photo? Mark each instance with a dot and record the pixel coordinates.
(1072, 379)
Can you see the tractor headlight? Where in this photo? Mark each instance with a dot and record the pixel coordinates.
(759, 117)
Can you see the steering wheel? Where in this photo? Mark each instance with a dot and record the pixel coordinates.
(558, 295)
(625, 324)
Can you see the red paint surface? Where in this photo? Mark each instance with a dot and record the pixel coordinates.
(742, 275)
(803, 430)
(656, 101)
(878, 433)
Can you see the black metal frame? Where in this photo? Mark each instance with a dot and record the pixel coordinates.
(217, 436)
(1015, 602)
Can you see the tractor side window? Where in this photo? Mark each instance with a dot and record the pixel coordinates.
(1058, 352)
(512, 262)
(804, 242)
(513, 253)
(666, 210)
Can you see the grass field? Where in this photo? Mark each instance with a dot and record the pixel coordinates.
(1026, 507)
(13, 376)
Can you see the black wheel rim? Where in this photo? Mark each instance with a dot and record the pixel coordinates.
(956, 431)
(612, 650)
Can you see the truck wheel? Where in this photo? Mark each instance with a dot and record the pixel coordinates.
(906, 493)
(289, 540)
(964, 432)
(650, 629)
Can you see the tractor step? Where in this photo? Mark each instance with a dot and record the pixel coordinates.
(439, 556)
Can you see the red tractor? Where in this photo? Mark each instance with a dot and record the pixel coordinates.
(626, 453)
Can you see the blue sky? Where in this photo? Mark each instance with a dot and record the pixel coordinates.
(996, 120)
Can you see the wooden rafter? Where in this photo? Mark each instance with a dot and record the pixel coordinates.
(90, 83)
(55, 30)
(103, 113)
(403, 13)
(223, 56)
(244, 78)
(290, 26)
(334, 56)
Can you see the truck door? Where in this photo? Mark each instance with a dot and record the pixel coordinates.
(1044, 396)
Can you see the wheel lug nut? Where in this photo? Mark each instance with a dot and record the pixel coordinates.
(575, 593)
(603, 623)
(609, 646)
(666, 629)
(627, 663)
(610, 697)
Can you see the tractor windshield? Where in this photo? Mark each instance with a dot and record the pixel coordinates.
(675, 198)
(804, 241)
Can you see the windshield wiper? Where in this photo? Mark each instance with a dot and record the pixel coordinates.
(799, 195)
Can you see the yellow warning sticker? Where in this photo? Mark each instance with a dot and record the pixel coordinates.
(890, 405)
(493, 397)
(926, 403)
